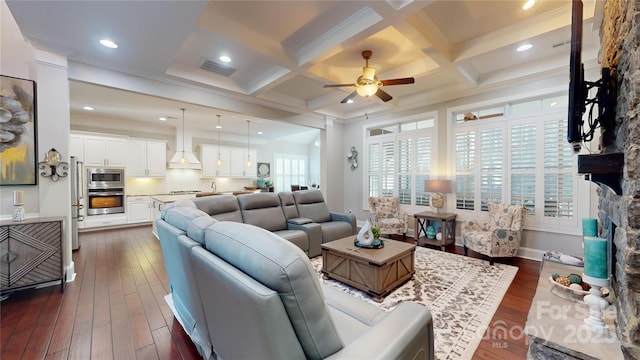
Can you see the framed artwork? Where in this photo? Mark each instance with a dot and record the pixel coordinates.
(264, 170)
(18, 145)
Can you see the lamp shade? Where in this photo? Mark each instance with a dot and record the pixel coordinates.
(437, 186)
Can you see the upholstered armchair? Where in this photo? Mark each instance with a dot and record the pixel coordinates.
(386, 215)
(499, 236)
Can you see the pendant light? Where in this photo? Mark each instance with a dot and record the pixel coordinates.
(219, 162)
(248, 145)
(183, 160)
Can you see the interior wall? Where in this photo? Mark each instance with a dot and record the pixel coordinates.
(20, 59)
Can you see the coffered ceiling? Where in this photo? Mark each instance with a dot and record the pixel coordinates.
(283, 52)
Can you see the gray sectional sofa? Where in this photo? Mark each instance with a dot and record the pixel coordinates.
(301, 217)
(242, 292)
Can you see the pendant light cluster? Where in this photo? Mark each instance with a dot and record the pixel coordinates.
(219, 127)
(183, 159)
(248, 145)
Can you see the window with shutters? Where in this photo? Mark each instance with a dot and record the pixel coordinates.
(520, 158)
(399, 158)
(289, 169)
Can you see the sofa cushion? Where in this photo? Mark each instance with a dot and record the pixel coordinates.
(220, 207)
(298, 237)
(311, 205)
(334, 230)
(262, 210)
(280, 265)
(288, 205)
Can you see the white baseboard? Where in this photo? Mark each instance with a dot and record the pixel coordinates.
(71, 272)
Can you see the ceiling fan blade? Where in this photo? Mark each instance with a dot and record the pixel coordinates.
(349, 97)
(383, 95)
(401, 81)
(338, 85)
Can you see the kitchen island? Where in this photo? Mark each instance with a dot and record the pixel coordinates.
(160, 201)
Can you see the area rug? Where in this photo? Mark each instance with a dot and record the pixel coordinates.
(462, 294)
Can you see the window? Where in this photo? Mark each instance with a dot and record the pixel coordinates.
(399, 160)
(289, 170)
(522, 158)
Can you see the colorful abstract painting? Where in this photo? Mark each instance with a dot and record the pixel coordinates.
(18, 153)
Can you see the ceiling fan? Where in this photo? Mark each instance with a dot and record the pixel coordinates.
(368, 83)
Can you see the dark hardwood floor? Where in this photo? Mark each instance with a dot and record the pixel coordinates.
(115, 308)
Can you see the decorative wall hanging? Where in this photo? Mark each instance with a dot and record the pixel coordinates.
(18, 152)
(352, 157)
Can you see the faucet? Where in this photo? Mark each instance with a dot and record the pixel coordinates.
(213, 186)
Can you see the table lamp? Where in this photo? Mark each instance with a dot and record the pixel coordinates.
(438, 188)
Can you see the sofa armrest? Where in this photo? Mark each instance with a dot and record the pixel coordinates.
(299, 221)
(351, 219)
(405, 333)
(314, 234)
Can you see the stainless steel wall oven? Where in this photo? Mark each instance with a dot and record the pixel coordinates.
(105, 191)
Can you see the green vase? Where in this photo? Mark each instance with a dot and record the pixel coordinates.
(431, 232)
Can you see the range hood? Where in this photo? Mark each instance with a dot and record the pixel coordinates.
(184, 141)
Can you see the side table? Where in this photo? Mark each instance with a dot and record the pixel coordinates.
(426, 218)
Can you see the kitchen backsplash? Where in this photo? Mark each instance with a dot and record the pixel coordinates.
(183, 179)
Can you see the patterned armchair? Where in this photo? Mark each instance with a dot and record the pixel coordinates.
(386, 215)
(497, 237)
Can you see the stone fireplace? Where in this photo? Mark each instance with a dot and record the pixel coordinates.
(619, 215)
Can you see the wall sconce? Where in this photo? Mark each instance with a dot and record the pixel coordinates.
(352, 157)
(51, 164)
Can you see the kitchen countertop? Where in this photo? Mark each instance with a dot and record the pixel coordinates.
(169, 198)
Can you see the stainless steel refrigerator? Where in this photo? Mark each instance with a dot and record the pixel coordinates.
(77, 193)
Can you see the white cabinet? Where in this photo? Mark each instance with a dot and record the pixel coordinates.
(138, 209)
(209, 159)
(104, 151)
(99, 221)
(239, 168)
(76, 146)
(146, 158)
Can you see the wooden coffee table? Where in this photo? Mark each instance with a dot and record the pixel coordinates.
(376, 271)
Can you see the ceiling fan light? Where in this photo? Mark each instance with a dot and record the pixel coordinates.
(367, 90)
(368, 73)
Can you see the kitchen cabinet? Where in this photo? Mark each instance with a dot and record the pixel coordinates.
(234, 162)
(146, 158)
(76, 146)
(99, 221)
(31, 253)
(238, 161)
(104, 151)
(209, 159)
(138, 209)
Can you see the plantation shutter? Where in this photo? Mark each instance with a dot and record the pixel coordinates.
(423, 168)
(465, 167)
(388, 169)
(375, 158)
(523, 166)
(559, 181)
(405, 152)
(491, 166)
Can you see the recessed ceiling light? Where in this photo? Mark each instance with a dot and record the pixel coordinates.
(218, 127)
(524, 47)
(350, 101)
(225, 58)
(259, 132)
(529, 4)
(88, 108)
(108, 43)
(162, 118)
